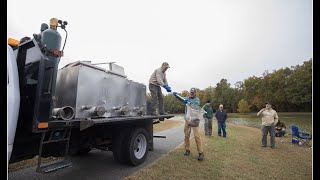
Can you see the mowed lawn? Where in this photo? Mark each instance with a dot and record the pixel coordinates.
(166, 124)
(239, 156)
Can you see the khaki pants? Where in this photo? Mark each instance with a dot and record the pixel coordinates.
(187, 132)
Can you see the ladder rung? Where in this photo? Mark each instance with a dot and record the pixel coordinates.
(58, 165)
(54, 166)
(52, 141)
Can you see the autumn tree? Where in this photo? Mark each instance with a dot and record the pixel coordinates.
(243, 106)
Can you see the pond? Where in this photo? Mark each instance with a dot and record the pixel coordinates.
(302, 120)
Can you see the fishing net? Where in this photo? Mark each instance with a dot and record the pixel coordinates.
(194, 115)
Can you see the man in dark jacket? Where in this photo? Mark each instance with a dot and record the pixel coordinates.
(221, 116)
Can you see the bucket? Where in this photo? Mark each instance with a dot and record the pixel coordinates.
(294, 141)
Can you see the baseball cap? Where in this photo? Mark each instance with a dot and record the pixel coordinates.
(165, 64)
(192, 90)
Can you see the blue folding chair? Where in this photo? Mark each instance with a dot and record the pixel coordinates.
(304, 138)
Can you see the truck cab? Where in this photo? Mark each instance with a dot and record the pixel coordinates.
(13, 97)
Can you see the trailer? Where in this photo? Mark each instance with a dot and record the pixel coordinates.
(75, 109)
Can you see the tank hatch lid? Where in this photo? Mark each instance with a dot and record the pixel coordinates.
(84, 63)
(116, 69)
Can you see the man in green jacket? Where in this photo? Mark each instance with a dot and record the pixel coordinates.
(208, 118)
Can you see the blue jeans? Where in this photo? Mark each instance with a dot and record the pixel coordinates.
(222, 125)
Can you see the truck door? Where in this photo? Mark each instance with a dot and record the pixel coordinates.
(13, 101)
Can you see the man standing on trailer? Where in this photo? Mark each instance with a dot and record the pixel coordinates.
(157, 80)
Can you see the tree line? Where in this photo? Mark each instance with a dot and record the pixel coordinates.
(287, 89)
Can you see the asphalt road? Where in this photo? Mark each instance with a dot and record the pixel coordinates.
(101, 165)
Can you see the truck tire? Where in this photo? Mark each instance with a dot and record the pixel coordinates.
(137, 146)
(119, 147)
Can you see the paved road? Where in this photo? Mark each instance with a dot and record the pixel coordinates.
(101, 165)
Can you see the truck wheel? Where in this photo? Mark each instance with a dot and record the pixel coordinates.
(138, 146)
(118, 147)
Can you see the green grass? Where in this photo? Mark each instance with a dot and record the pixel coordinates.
(239, 156)
(166, 124)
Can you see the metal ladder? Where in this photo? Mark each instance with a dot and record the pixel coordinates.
(57, 165)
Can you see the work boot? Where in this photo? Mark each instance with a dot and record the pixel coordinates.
(154, 113)
(164, 113)
(155, 121)
(187, 152)
(201, 156)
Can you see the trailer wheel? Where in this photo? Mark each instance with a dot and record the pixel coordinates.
(138, 146)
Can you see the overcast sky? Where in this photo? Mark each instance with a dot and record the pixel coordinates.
(203, 41)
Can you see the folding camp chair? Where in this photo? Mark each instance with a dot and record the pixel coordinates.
(304, 138)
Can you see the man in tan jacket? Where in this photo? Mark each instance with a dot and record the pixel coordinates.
(269, 119)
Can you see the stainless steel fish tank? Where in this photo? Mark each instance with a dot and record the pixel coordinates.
(95, 92)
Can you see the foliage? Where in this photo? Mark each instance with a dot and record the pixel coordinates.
(243, 106)
(287, 89)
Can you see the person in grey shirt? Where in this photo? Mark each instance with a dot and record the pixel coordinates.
(157, 80)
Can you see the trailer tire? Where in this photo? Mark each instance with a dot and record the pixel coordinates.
(138, 146)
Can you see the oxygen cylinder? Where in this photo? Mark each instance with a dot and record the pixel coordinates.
(51, 39)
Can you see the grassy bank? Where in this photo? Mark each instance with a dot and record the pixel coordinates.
(239, 156)
(303, 120)
(166, 124)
